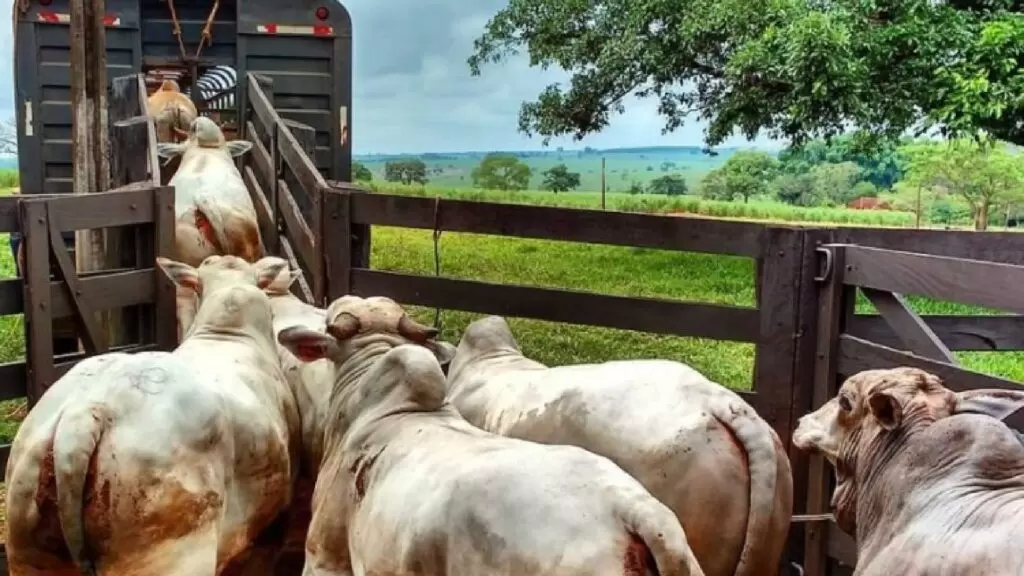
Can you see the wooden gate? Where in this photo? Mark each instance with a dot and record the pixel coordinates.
(148, 209)
(883, 277)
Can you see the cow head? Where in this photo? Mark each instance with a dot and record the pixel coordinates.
(874, 409)
(229, 289)
(204, 133)
(353, 323)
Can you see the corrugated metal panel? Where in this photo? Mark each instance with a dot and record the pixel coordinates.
(302, 86)
(54, 108)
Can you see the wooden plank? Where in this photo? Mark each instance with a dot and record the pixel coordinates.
(776, 344)
(259, 103)
(334, 237)
(127, 139)
(566, 224)
(305, 137)
(835, 305)
(911, 329)
(301, 288)
(13, 380)
(262, 162)
(103, 291)
(943, 278)
(296, 229)
(165, 308)
(856, 355)
(264, 215)
(801, 398)
(657, 316)
(9, 213)
(5, 455)
(841, 545)
(988, 333)
(38, 324)
(1005, 247)
(67, 363)
(104, 209)
(297, 160)
(85, 315)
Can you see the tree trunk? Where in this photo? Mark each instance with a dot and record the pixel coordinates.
(981, 220)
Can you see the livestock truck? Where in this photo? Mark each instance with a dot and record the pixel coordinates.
(304, 47)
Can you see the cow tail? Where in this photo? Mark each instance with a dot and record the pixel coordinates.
(76, 439)
(771, 487)
(213, 214)
(656, 537)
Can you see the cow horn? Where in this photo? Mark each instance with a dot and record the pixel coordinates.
(344, 326)
(413, 330)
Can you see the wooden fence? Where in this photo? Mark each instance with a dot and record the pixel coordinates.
(42, 220)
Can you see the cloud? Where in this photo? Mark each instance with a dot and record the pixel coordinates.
(413, 91)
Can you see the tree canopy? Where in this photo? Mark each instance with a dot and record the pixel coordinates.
(559, 179)
(499, 171)
(360, 173)
(794, 69)
(406, 171)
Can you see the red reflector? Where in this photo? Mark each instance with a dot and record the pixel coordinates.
(321, 30)
(323, 13)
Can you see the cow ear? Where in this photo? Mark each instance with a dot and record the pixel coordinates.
(170, 149)
(307, 345)
(269, 273)
(887, 408)
(180, 273)
(238, 147)
(991, 402)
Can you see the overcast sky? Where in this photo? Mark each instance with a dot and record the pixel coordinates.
(413, 91)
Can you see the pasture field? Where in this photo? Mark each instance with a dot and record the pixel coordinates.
(622, 166)
(603, 269)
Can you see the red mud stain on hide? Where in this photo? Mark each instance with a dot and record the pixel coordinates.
(361, 467)
(47, 534)
(244, 239)
(637, 558)
(205, 228)
(736, 443)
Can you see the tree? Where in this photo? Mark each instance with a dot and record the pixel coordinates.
(559, 179)
(669, 184)
(792, 69)
(982, 172)
(796, 189)
(746, 173)
(881, 166)
(9, 136)
(499, 171)
(834, 182)
(406, 171)
(360, 173)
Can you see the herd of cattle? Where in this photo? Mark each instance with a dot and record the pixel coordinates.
(382, 450)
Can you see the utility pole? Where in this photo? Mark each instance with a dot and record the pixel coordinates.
(603, 205)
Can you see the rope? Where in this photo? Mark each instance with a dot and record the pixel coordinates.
(437, 254)
(207, 30)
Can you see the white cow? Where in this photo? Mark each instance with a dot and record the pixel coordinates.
(215, 214)
(407, 486)
(697, 446)
(930, 481)
(175, 463)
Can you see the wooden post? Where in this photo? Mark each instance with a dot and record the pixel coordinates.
(603, 205)
(90, 140)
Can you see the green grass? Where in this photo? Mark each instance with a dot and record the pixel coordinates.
(618, 271)
(602, 269)
(657, 204)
